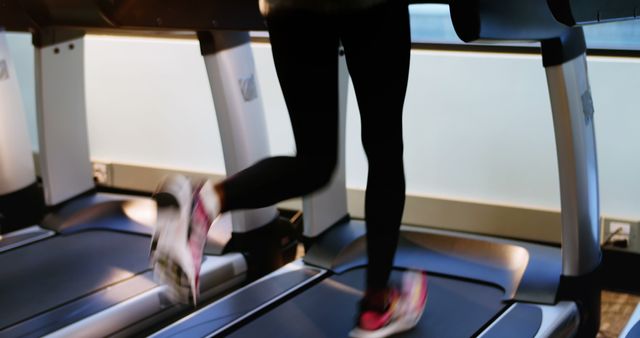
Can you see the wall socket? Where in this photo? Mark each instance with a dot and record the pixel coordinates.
(102, 173)
(620, 230)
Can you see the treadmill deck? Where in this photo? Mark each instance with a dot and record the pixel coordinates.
(455, 308)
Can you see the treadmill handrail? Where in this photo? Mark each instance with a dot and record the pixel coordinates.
(584, 12)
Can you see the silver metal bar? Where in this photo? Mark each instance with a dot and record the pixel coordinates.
(215, 280)
(577, 164)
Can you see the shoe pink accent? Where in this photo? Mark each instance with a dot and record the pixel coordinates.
(199, 228)
(373, 320)
(404, 312)
(414, 295)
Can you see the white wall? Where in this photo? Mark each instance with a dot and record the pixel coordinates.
(478, 127)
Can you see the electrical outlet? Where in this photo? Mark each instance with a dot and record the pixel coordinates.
(101, 173)
(621, 228)
(621, 231)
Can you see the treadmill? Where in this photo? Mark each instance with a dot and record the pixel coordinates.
(479, 286)
(578, 13)
(18, 181)
(84, 270)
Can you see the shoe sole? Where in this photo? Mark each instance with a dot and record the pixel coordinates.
(171, 274)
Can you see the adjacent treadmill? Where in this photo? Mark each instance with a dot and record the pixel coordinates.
(479, 286)
(84, 270)
(588, 12)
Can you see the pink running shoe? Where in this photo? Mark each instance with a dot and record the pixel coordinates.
(184, 218)
(402, 312)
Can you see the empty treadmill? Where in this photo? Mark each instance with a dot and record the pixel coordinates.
(91, 276)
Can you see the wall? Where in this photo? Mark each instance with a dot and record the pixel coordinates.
(478, 125)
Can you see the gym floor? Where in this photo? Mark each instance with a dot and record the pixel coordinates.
(616, 310)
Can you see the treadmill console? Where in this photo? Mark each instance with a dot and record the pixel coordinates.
(572, 12)
(487, 20)
(174, 15)
(13, 17)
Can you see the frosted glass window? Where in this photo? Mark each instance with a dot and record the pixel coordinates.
(432, 24)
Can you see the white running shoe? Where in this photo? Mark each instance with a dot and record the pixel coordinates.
(184, 218)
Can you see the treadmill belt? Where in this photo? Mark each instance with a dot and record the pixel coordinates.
(455, 308)
(50, 273)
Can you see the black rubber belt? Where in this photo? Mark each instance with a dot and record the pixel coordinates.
(44, 275)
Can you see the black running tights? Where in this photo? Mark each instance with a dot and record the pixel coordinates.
(305, 48)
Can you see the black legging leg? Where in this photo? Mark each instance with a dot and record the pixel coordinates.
(305, 57)
(377, 46)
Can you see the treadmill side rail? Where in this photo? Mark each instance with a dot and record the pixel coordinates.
(22, 237)
(241, 305)
(218, 274)
(560, 320)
